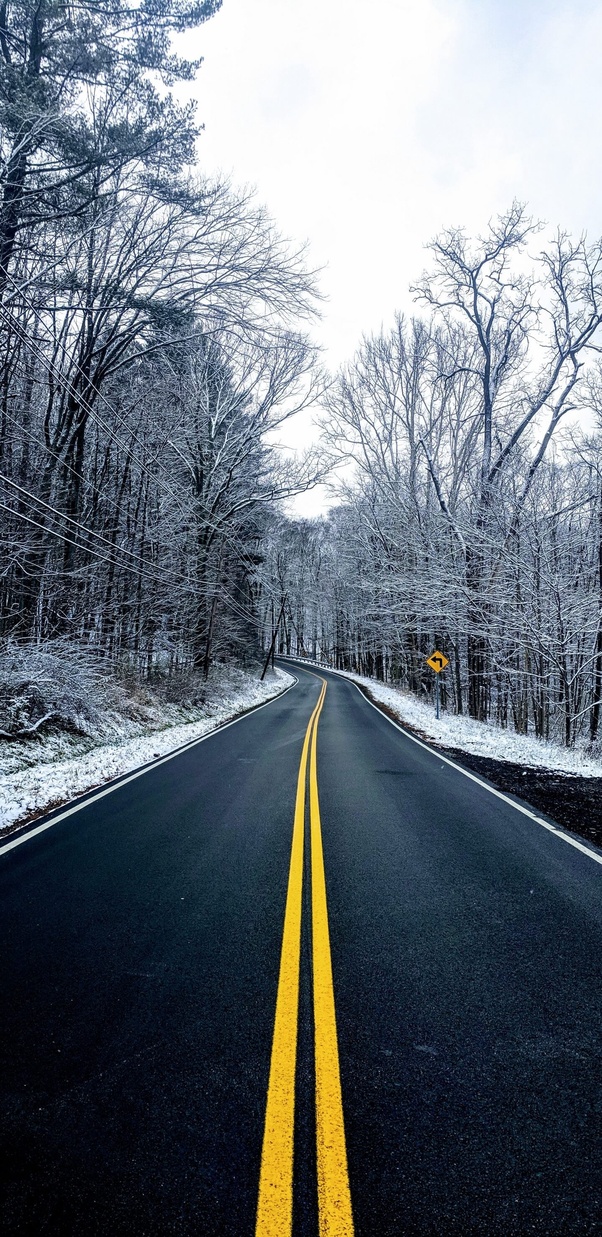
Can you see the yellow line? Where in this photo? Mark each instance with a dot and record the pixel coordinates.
(334, 1198)
(275, 1204)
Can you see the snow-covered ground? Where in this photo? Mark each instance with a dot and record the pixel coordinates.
(37, 777)
(480, 738)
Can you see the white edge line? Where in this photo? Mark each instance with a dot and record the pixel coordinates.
(131, 777)
(499, 794)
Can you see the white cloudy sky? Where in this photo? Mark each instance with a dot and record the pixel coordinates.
(366, 127)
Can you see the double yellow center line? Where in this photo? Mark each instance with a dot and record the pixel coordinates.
(275, 1205)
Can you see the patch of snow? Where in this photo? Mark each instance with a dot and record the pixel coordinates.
(61, 773)
(478, 738)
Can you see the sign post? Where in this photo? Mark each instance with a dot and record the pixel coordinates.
(437, 662)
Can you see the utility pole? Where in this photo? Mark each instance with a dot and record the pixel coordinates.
(273, 644)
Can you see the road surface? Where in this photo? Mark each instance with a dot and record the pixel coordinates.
(452, 1049)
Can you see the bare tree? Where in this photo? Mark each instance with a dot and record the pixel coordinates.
(529, 333)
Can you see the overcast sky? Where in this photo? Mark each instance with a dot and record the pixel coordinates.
(367, 127)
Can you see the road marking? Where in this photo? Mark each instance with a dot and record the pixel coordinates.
(275, 1203)
(334, 1198)
(131, 777)
(499, 794)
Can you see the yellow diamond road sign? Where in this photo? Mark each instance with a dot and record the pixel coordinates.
(437, 661)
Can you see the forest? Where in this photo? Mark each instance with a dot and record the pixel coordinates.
(157, 333)
(468, 450)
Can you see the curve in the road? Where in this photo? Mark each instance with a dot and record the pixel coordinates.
(142, 936)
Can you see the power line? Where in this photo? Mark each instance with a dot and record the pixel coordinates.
(63, 462)
(244, 612)
(89, 531)
(85, 404)
(212, 522)
(217, 526)
(69, 354)
(46, 528)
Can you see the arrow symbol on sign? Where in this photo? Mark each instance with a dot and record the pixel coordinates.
(437, 661)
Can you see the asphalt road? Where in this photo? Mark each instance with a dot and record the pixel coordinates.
(140, 957)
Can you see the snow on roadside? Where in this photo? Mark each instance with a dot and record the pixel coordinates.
(29, 792)
(479, 738)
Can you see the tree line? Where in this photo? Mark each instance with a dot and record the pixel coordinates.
(153, 337)
(469, 454)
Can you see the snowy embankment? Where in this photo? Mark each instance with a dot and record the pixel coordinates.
(34, 778)
(478, 738)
